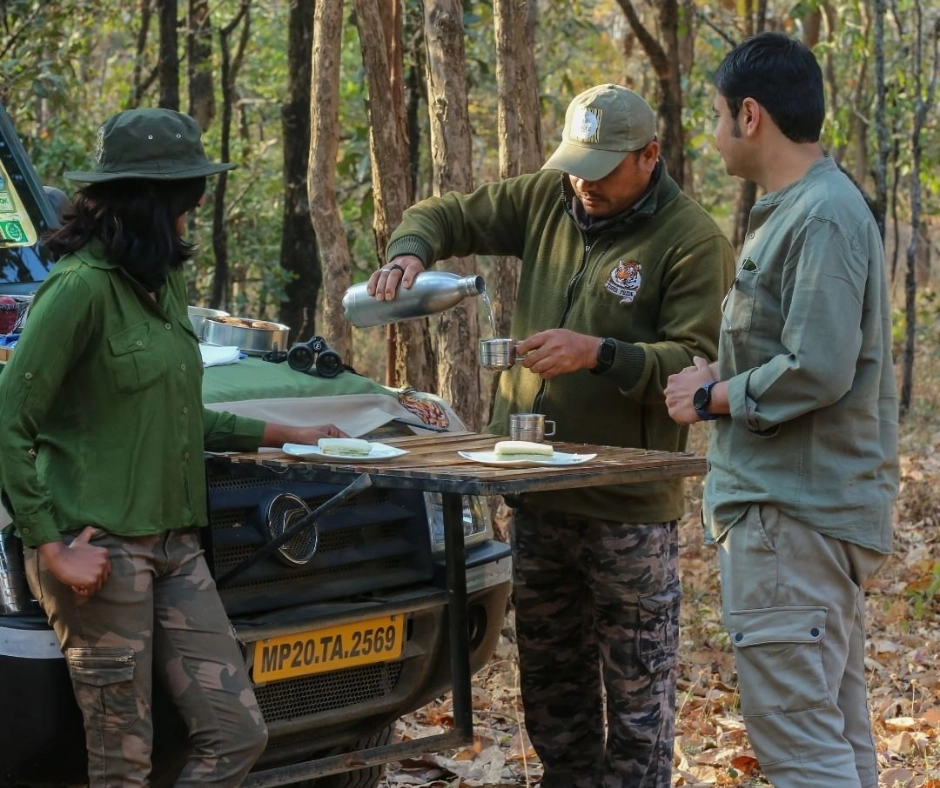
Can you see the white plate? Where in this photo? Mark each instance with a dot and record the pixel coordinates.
(558, 458)
(379, 451)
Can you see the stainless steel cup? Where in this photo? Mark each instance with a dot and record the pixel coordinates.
(498, 354)
(529, 427)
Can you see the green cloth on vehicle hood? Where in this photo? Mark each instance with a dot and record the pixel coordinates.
(253, 378)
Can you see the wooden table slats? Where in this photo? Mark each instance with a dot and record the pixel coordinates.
(433, 463)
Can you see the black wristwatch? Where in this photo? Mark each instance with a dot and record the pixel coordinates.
(605, 356)
(701, 399)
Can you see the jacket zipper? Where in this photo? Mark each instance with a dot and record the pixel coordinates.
(569, 300)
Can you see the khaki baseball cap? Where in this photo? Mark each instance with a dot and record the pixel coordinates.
(602, 125)
(155, 144)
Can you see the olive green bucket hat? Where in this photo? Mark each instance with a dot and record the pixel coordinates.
(602, 125)
(154, 144)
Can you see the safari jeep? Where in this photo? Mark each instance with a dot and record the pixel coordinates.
(341, 640)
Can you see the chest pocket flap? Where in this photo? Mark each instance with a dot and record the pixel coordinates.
(135, 363)
(738, 306)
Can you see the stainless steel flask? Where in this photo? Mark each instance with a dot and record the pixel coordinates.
(432, 292)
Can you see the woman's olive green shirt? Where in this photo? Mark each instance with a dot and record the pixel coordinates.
(101, 415)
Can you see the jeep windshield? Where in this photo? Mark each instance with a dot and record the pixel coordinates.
(25, 213)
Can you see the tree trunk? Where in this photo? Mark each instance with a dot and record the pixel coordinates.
(169, 61)
(139, 82)
(220, 279)
(458, 372)
(519, 126)
(881, 124)
(321, 173)
(895, 219)
(299, 257)
(687, 33)
(417, 89)
(389, 152)
(199, 64)
(923, 103)
(664, 56)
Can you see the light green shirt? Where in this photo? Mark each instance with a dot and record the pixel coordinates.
(101, 415)
(805, 347)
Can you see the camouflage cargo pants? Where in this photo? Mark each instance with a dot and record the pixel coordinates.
(597, 620)
(157, 615)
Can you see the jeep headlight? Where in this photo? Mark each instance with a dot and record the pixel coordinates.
(477, 526)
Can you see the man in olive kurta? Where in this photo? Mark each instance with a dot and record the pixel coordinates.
(803, 462)
(620, 283)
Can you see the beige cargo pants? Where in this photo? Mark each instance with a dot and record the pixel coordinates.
(794, 608)
(158, 614)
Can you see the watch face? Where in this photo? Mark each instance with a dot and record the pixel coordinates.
(700, 398)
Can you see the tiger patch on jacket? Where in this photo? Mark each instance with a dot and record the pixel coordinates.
(625, 280)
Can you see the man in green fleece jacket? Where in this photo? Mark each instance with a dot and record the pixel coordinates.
(620, 286)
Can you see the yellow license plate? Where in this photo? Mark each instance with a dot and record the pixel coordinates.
(331, 648)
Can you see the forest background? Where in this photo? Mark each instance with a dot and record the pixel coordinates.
(340, 115)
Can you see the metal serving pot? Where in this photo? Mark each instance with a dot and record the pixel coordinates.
(198, 315)
(255, 339)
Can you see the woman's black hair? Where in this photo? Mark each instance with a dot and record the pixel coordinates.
(136, 221)
(780, 74)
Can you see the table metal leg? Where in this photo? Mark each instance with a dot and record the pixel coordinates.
(457, 613)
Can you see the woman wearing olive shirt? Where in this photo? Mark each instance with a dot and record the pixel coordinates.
(103, 430)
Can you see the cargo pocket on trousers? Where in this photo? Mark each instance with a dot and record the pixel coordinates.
(103, 679)
(657, 632)
(778, 653)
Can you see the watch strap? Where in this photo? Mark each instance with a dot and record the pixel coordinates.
(605, 356)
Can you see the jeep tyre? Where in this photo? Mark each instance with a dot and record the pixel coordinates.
(361, 778)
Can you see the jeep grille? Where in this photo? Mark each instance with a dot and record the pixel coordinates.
(293, 699)
(375, 541)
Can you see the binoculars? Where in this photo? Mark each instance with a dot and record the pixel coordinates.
(315, 354)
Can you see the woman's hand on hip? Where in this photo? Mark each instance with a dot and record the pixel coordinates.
(80, 565)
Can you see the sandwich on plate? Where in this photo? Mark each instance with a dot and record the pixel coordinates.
(522, 450)
(345, 447)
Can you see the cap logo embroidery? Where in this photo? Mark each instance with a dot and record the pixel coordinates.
(586, 124)
(625, 280)
(99, 145)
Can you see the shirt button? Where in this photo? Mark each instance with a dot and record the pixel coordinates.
(32, 453)
(139, 343)
(185, 409)
(28, 376)
(183, 367)
(167, 326)
(25, 529)
(185, 455)
(739, 637)
(750, 235)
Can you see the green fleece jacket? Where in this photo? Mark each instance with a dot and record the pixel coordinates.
(651, 278)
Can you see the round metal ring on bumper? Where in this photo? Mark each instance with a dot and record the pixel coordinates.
(283, 512)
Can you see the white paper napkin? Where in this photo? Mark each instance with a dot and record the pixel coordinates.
(216, 355)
